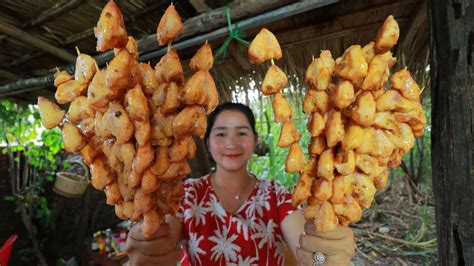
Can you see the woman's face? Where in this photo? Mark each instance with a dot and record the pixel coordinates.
(231, 141)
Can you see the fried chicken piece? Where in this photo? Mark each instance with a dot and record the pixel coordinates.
(50, 113)
(158, 129)
(264, 47)
(181, 149)
(380, 181)
(110, 31)
(190, 121)
(402, 81)
(111, 152)
(142, 203)
(354, 137)
(317, 75)
(387, 36)
(392, 100)
(334, 129)
(142, 131)
(349, 209)
(316, 124)
(136, 104)
(352, 65)
(203, 59)
(72, 138)
(363, 189)
(377, 75)
(119, 212)
(88, 153)
(368, 51)
(337, 190)
(322, 189)
(159, 95)
(143, 158)
(345, 162)
(316, 101)
(324, 219)
(296, 159)
(161, 163)
(102, 125)
(326, 164)
(281, 108)
(122, 73)
(302, 189)
(343, 94)
(194, 91)
(366, 163)
(69, 90)
(150, 182)
(402, 137)
(86, 126)
(311, 168)
(85, 67)
(363, 111)
(169, 68)
(328, 61)
(415, 118)
(289, 134)
(131, 47)
(170, 26)
(126, 154)
(101, 174)
(176, 170)
(120, 124)
(112, 194)
(127, 192)
(385, 120)
(275, 80)
(79, 110)
(317, 145)
(376, 143)
(151, 222)
(98, 95)
(60, 77)
(149, 80)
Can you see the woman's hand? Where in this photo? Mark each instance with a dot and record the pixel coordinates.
(337, 246)
(159, 249)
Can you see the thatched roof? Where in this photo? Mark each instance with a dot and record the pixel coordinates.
(26, 63)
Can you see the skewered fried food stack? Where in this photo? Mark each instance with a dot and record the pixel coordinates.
(360, 128)
(134, 124)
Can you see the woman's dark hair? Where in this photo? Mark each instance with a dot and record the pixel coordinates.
(228, 106)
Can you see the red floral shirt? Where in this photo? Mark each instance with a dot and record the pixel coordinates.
(250, 236)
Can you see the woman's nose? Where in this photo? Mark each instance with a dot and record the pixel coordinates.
(231, 141)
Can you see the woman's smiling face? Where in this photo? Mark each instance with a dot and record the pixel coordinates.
(231, 141)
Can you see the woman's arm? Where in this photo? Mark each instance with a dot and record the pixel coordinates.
(292, 227)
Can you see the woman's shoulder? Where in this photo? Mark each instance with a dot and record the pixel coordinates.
(197, 182)
(271, 185)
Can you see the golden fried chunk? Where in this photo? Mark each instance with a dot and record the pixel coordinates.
(296, 159)
(159, 95)
(176, 170)
(352, 65)
(158, 130)
(337, 190)
(334, 129)
(87, 127)
(72, 138)
(172, 101)
(112, 194)
(282, 109)
(264, 47)
(143, 158)
(349, 209)
(190, 121)
(366, 163)
(79, 110)
(102, 125)
(363, 111)
(89, 153)
(316, 124)
(322, 189)
(126, 154)
(142, 131)
(415, 118)
(110, 31)
(302, 189)
(69, 90)
(385, 120)
(50, 113)
(120, 124)
(363, 189)
(316, 101)
(380, 181)
(317, 75)
(60, 77)
(325, 220)
(402, 137)
(150, 182)
(353, 137)
(111, 151)
(131, 47)
(142, 203)
(387, 36)
(203, 59)
(101, 174)
(345, 162)
(136, 104)
(376, 143)
(170, 26)
(98, 94)
(151, 222)
(317, 145)
(392, 100)
(182, 149)
(368, 51)
(343, 94)
(289, 134)
(377, 75)
(127, 192)
(194, 91)
(275, 80)
(326, 164)
(85, 67)
(328, 61)
(403, 82)
(212, 95)
(149, 80)
(161, 163)
(169, 68)
(122, 73)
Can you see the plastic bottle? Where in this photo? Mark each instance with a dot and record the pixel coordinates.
(94, 245)
(108, 241)
(101, 242)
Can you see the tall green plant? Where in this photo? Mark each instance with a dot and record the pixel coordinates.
(32, 157)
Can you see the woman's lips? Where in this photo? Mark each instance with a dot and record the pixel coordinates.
(232, 156)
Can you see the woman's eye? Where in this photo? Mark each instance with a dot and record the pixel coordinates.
(220, 135)
(242, 133)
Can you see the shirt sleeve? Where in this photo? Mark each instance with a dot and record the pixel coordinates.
(283, 200)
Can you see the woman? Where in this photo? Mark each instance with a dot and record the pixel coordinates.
(230, 217)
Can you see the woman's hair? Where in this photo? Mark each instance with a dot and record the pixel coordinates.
(228, 106)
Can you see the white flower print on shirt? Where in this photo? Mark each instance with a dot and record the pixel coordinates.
(265, 233)
(193, 247)
(249, 261)
(280, 251)
(224, 246)
(216, 208)
(243, 225)
(257, 203)
(195, 211)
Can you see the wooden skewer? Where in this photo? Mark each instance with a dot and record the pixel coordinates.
(273, 62)
(96, 66)
(169, 46)
(77, 50)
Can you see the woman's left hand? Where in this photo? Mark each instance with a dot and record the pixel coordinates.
(338, 246)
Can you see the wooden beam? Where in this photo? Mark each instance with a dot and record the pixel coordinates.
(36, 42)
(8, 75)
(200, 6)
(58, 9)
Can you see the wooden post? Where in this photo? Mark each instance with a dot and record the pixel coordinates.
(452, 79)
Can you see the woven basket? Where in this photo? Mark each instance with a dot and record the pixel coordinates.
(72, 185)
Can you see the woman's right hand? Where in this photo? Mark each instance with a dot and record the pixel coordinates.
(161, 248)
